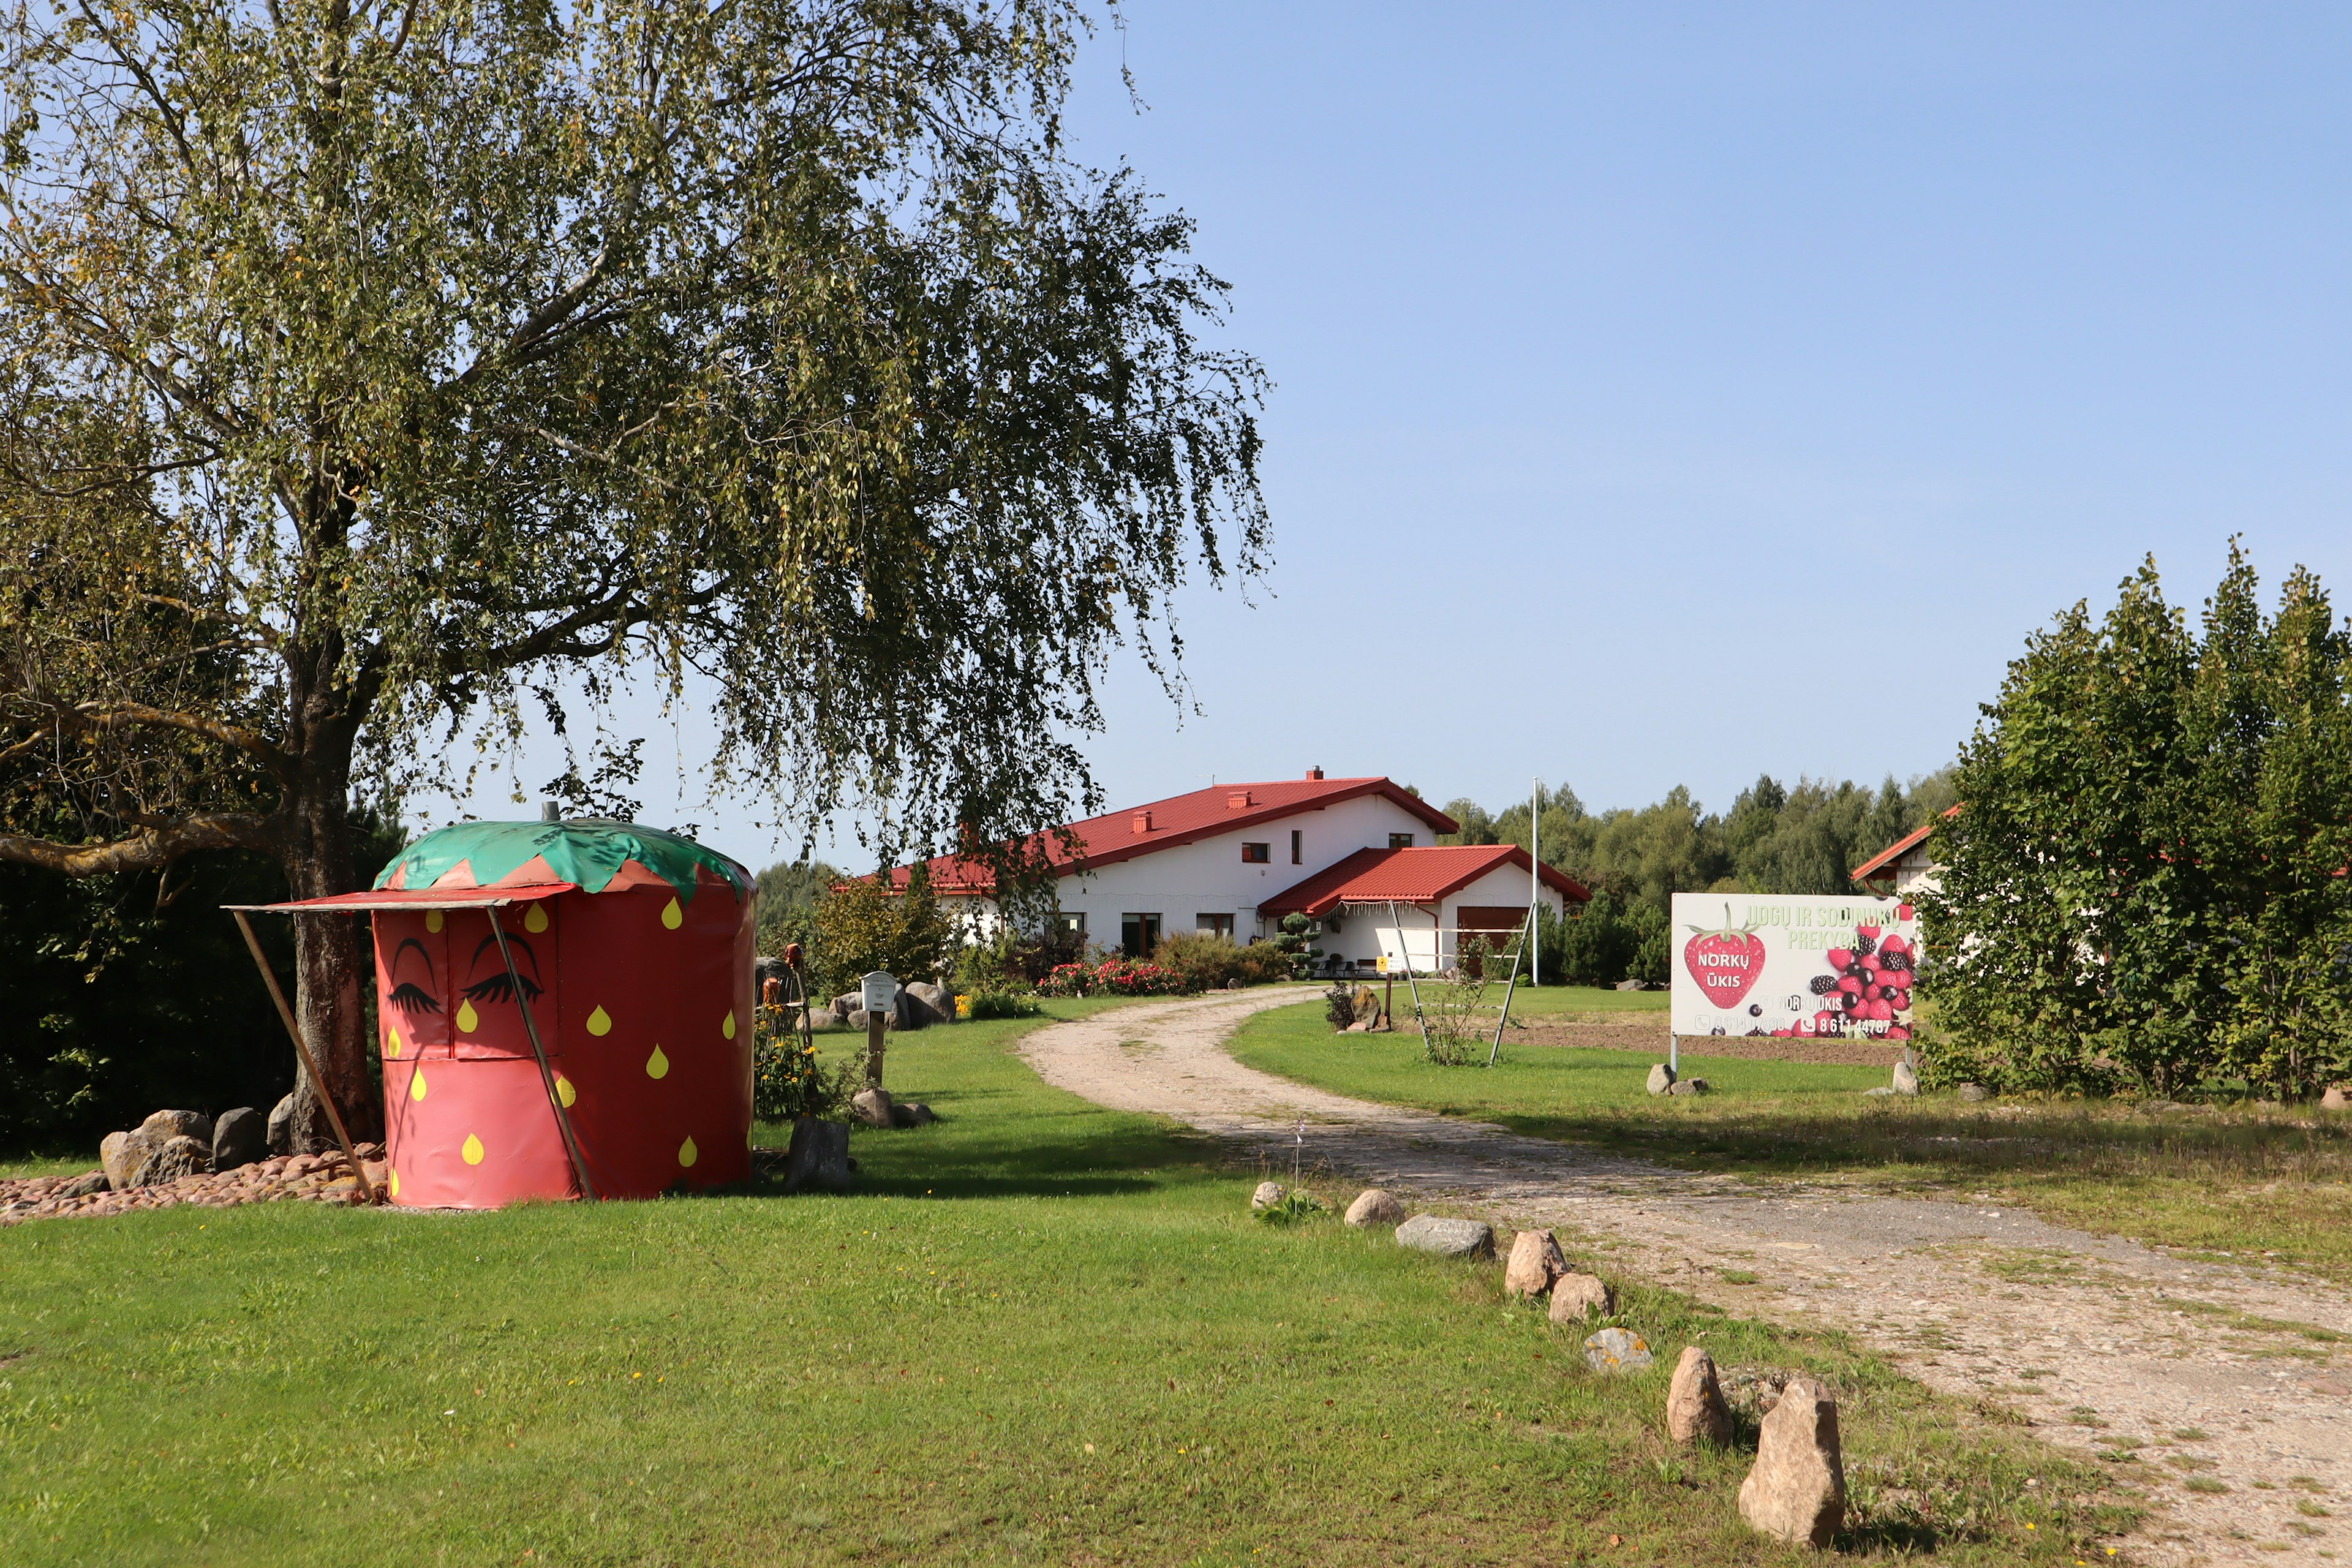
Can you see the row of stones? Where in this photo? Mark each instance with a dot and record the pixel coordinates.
(1796, 1490)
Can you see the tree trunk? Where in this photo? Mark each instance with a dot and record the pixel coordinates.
(332, 957)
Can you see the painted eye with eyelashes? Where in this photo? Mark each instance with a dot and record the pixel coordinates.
(411, 998)
(497, 987)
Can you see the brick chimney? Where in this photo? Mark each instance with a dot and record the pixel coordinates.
(1315, 775)
(1238, 801)
(1143, 822)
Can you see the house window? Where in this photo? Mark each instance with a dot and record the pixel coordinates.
(1399, 840)
(1257, 854)
(1215, 925)
(1071, 921)
(1138, 935)
(1295, 836)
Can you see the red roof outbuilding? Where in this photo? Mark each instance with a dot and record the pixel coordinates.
(1417, 876)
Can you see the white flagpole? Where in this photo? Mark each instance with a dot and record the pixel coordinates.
(1535, 883)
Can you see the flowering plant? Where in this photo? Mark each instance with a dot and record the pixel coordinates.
(1112, 977)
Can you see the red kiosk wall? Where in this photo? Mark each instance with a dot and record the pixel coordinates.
(643, 1001)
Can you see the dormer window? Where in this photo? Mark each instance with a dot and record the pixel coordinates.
(1399, 840)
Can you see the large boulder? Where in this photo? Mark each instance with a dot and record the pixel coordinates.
(1906, 1077)
(1267, 1195)
(871, 1106)
(130, 1158)
(1576, 1297)
(1374, 1208)
(281, 1126)
(1695, 1405)
(1535, 1261)
(819, 1156)
(767, 967)
(2334, 1099)
(173, 1159)
(1447, 1237)
(239, 1138)
(120, 1155)
(1662, 1078)
(850, 1002)
(932, 1001)
(1367, 1003)
(1796, 1492)
(179, 1124)
(1687, 1086)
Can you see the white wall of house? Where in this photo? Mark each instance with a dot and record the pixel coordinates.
(1432, 938)
(1189, 885)
(1917, 872)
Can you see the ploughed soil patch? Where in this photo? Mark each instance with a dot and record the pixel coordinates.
(1649, 1033)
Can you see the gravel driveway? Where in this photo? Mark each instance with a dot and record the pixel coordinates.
(2093, 1339)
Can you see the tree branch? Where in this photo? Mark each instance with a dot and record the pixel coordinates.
(119, 715)
(155, 843)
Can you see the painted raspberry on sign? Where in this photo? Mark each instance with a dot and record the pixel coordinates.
(1796, 966)
(1724, 962)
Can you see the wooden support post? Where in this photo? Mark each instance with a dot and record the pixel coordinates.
(875, 1024)
(302, 1046)
(546, 1072)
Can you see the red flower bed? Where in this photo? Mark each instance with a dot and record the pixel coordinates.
(1111, 977)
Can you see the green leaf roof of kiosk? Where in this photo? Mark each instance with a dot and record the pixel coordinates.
(588, 852)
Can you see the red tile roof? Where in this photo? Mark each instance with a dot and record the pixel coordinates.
(1184, 819)
(1421, 876)
(1895, 851)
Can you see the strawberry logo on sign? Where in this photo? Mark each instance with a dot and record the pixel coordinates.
(1724, 962)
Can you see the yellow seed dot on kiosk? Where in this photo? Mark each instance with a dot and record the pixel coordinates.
(393, 1183)
(672, 916)
(534, 920)
(727, 1028)
(467, 1019)
(472, 1152)
(433, 921)
(392, 1044)
(565, 1092)
(600, 1021)
(417, 1084)
(657, 1064)
(688, 1153)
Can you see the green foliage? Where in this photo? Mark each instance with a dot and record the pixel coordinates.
(1294, 1208)
(1207, 960)
(1454, 1031)
(379, 375)
(1017, 960)
(1339, 1004)
(789, 892)
(1613, 938)
(790, 1079)
(1294, 942)
(2145, 886)
(859, 928)
(133, 991)
(989, 1005)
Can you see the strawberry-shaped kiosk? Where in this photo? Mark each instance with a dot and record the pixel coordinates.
(627, 950)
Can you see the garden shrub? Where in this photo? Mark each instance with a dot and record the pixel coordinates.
(983, 1004)
(2144, 886)
(1207, 960)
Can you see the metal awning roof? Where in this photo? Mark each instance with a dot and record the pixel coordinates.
(415, 899)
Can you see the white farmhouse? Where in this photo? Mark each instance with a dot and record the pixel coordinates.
(1356, 854)
(1904, 867)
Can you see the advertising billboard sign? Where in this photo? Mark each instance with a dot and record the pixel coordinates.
(1793, 965)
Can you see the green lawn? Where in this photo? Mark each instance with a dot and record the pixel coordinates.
(2252, 1183)
(1042, 1331)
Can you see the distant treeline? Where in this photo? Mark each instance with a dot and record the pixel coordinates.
(1776, 839)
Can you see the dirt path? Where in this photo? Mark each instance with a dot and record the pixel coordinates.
(2096, 1339)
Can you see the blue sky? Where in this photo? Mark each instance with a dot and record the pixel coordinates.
(1666, 393)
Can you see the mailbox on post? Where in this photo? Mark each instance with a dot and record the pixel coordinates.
(880, 995)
